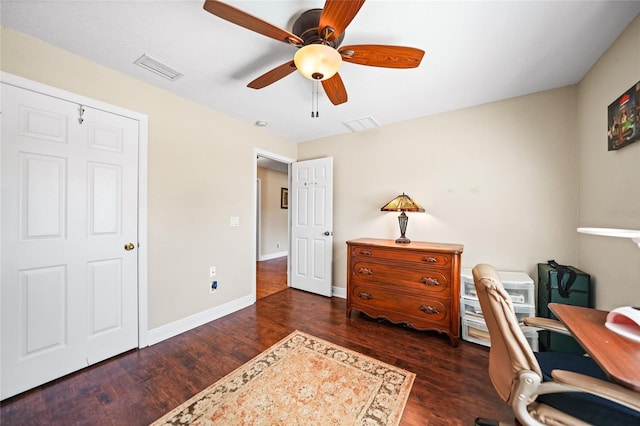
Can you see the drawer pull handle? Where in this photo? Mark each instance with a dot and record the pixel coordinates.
(365, 252)
(429, 259)
(430, 281)
(429, 309)
(365, 296)
(365, 271)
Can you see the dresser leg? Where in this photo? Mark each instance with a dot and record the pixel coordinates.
(454, 341)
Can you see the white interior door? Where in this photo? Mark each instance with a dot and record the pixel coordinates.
(69, 207)
(311, 203)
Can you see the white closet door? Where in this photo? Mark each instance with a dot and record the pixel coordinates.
(69, 207)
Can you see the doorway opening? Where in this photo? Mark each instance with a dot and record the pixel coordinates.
(272, 224)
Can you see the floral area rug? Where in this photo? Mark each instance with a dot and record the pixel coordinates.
(301, 380)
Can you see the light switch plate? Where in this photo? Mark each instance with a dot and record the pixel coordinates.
(234, 221)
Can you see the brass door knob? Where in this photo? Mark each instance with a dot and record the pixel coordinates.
(129, 246)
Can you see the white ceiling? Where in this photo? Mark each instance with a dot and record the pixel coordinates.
(269, 163)
(476, 52)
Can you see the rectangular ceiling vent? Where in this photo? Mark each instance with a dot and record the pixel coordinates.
(153, 65)
(361, 124)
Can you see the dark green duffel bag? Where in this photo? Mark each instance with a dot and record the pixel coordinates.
(561, 284)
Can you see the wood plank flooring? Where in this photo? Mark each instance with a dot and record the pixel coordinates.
(135, 388)
(271, 276)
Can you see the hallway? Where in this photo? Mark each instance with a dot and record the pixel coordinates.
(271, 276)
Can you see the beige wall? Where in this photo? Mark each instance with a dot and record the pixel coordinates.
(274, 220)
(192, 152)
(609, 180)
(500, 178)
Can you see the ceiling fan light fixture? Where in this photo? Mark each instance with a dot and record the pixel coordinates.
(317, 61)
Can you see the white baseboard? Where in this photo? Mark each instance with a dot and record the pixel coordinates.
(167, 331)
(339, 292)
(164, 332)
(270, 256)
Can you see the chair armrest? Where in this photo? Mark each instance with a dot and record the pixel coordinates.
(598, 387)
(549, 415)
(547, 324)
(529, 386)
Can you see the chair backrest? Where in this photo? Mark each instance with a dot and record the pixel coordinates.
(510, 352)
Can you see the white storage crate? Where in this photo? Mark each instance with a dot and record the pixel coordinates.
(520, 288)
(517, 284)
(477, 332)
(472, 308)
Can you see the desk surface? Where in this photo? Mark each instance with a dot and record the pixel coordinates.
(618, 356)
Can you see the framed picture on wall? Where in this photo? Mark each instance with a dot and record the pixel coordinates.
(623, 119)
(284, 198)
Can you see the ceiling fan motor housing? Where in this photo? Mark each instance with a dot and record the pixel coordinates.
(306, 27)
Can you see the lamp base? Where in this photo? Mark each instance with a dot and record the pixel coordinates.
(402, 221)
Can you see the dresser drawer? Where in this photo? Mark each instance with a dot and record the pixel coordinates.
(396, 277)
(421, 258)
(377, 302)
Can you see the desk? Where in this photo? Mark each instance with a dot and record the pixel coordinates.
(618, 356)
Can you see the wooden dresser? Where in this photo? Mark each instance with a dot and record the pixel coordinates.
(417, 284)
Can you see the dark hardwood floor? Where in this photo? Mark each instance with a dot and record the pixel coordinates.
(135, 388)
(271, 276)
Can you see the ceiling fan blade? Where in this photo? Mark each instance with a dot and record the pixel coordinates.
(250, 22)
(376, 55)
(337, 14)
(272, 76)
(334, 88)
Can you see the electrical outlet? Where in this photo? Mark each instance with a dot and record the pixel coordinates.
(212, 271)
(277, 245)
(214, 286)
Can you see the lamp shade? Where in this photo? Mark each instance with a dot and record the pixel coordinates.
(317, 61)
(402, 203)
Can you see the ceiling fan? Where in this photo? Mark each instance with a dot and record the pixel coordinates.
(318, 33)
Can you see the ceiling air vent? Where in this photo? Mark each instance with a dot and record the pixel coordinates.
(148, 63)
(361, 124)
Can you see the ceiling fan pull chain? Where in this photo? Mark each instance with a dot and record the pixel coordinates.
(317, 84)
(312, 94)
(314, 98)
